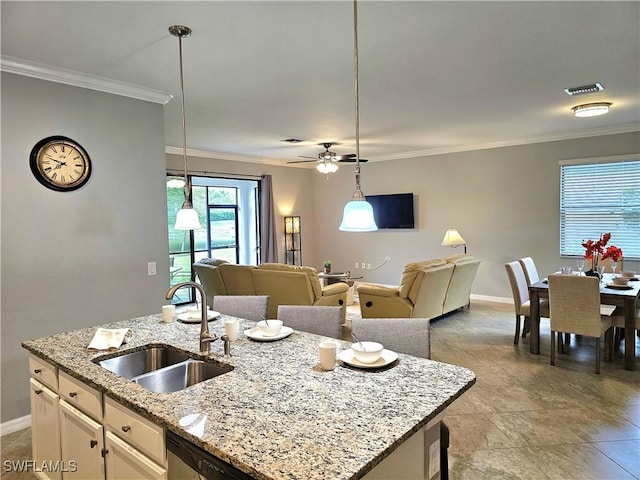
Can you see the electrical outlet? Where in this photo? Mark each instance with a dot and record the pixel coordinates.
(357, 265)
(363, 265)
(151, 268)
(368, 266)
(387, 259)
(434, 458)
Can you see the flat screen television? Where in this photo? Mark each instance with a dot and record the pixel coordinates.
(392, 211)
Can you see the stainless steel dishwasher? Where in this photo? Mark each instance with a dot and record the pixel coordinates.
(189, 461)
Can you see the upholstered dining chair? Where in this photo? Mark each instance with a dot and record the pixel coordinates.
(521, 302)
(618, 333)
(320, 320)
(530, 270)
(409, 336)
(405, 335)
(574, 303)
(250, 307)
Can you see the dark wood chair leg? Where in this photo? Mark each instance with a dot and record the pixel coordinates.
(517, 336)
(560, 343)
(552, 360)
(526, 328)
(608, 344)
(598, 355)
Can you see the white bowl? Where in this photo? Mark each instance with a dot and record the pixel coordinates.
(271, 329)
(629, 273)
(620, 280)
(369, 354)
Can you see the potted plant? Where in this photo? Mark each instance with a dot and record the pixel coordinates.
(594, 251)
(326, 266)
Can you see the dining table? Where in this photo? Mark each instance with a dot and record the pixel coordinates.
(626, 298)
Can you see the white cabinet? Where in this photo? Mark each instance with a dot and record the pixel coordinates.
(45, 431)
(82, 443)
(126, 463)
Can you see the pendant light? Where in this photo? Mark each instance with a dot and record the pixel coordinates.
(358, 213)
(187, 217)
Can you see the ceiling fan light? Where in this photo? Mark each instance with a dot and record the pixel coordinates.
(327, 167)
(591, 109)
(175, 182)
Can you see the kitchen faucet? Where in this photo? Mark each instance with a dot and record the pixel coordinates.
(206, 338)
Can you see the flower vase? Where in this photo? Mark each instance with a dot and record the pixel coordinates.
(593, 272)
(327, 269)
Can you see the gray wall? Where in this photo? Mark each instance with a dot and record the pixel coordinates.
(77, 259)
(503, 201)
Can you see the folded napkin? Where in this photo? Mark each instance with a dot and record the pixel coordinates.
(110, 338)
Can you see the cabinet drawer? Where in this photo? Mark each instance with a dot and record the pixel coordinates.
(136, 430)
(43, 371)
(80, 395)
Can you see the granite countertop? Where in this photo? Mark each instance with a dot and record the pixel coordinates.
(276, 415)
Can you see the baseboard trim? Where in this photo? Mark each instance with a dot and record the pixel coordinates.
(487, 298)
(15, 425)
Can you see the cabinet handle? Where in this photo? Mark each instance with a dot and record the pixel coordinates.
(126, 428)
(37, 370)
(93, 443)
(104, 452)
(37, 392)
(72, 394)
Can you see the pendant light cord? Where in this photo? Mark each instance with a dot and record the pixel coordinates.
(357, 195)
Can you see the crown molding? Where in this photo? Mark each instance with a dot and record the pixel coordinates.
(554, 137)
(223, 156)
(41, 71)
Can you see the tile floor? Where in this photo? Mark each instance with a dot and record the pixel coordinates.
(523, 419)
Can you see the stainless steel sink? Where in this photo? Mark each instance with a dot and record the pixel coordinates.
(163, 369)
(134, 364)
(180, 376)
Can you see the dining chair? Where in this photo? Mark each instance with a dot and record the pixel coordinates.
(521, 302)
(574, 303)
(618, 333)
(411, 337)
(530, 270)
(250, 307)
(321, 320)
(404, 335)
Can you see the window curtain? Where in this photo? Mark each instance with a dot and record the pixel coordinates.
(268, 237)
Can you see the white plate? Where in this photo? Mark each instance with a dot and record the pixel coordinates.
(186, 318)
(256, 334)
(385, 359)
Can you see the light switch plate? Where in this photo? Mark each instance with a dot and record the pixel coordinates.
(151, 268)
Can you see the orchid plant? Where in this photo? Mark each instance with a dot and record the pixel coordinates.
(596, 250)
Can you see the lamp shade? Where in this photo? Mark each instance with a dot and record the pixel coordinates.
(452, 238)
(358, 217)
(187, 219)
(327, 167)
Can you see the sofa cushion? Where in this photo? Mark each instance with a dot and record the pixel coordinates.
(312, 274)
(412, 272)
(237, 278)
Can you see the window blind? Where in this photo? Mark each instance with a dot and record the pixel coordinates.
(596, 198)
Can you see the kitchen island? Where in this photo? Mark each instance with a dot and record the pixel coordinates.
(276, 415)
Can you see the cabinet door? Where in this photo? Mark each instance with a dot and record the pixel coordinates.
(126, 463)
(82, 443)
(45, 431)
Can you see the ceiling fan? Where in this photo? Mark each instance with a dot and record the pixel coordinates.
(327, 159)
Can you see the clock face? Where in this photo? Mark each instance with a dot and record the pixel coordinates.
(60, 163)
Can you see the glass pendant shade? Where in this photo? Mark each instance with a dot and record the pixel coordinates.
(187, 219)
(327, 167)
(358, 217)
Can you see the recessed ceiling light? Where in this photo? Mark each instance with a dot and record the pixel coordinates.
(593, 88)
(591, 109)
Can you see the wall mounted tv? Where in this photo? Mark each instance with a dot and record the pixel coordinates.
(392, 211)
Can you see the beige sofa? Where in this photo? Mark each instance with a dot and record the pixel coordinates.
(428, 289)
(285, 284)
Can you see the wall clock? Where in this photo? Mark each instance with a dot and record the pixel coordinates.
(60, 163)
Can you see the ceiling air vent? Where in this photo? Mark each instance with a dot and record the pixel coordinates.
(593, 88)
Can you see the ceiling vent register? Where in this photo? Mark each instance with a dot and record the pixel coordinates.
(593, 88)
